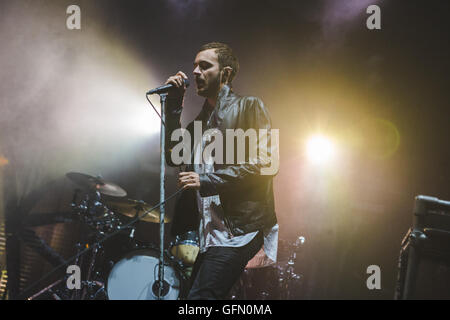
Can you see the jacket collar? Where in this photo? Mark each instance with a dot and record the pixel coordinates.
(224, 99)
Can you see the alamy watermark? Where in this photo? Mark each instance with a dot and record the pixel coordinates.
(260, 153)
(74, 280)
(73, 21)
(373, 22)
(374, 280)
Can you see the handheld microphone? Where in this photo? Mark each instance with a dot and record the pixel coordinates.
(165, 88)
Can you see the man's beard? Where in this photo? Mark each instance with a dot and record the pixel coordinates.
(211, 90)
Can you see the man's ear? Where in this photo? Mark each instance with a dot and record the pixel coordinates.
(226, 74)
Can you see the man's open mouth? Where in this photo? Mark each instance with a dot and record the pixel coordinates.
(200, 83)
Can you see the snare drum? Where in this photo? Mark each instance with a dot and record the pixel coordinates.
(186, 247)
(135, 277)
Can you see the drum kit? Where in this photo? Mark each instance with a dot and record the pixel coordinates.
(118, 266)
(115, 265)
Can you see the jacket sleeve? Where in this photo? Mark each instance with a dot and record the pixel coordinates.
(258, 167)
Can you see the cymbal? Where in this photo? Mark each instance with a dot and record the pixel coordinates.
(129, 208)
(90, 182)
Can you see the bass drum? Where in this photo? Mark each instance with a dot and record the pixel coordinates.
(135, 277)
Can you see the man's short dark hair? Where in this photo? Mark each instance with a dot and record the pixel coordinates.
(225, 55)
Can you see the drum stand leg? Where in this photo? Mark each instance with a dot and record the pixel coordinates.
(48, 288)
(88, 284)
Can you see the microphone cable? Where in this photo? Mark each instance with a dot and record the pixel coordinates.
(155, 110)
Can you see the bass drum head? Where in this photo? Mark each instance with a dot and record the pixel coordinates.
(135, 277)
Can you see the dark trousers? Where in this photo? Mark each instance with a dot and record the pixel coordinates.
(216, 270)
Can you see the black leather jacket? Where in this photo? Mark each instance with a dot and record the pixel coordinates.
(245, 194)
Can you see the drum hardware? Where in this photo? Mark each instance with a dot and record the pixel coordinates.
(50, 289)
(93, 213)
(132, 233)
(276, 282)
(134, 208)
(89, 287)
(287, 278)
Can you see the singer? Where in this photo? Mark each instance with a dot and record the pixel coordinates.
(231, 206)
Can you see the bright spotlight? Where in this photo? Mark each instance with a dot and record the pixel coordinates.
(320, 149)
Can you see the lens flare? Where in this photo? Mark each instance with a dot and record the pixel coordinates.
(320, 149)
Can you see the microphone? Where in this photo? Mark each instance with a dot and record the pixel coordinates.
(165, 88)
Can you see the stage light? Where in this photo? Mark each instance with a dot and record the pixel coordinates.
(320, 149)
(144, 121)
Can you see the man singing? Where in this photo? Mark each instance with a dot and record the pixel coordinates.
(231, 205)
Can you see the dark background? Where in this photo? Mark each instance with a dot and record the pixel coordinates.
(70, 100)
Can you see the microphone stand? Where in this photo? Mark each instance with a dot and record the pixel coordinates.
(163, 97)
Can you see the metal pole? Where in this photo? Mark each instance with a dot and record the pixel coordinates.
(161, 196)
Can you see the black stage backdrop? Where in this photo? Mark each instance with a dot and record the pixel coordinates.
(73, 100)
